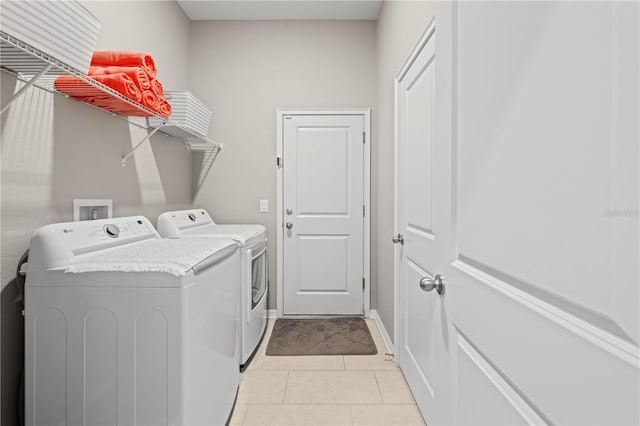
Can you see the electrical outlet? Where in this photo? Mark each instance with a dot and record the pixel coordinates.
(264, 206)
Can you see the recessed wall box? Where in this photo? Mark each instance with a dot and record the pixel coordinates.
(86, 209)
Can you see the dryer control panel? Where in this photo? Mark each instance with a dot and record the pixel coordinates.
(171, 224)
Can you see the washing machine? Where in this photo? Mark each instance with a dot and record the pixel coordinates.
(198, 224)
(125, 327)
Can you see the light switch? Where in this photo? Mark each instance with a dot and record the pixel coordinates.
(264, 206)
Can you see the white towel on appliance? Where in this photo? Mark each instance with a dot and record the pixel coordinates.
(239, 233)
(171, 256)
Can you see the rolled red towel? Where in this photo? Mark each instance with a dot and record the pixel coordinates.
(127, 59)
(158, 105)
(120, 82)
(110, 103)
(150, 100)
(115, 105)
(157, 88)
(137, 74)
(165, 108)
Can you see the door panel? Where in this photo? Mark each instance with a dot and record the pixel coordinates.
(422, 314)
(323, 263)
(419, 98)
(324, 193)
(323, 171)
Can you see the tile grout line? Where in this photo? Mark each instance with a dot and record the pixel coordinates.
(286, 385)
(378, 384)
(351, 414)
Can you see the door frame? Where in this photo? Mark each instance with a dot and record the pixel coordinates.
(366, 273)
(422, 42)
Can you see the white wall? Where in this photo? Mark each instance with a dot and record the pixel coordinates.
(55, 149)
(400, 25)
(244, 70)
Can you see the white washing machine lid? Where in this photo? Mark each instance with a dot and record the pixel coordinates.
(197, 223)
(171, 256)
(243, 234)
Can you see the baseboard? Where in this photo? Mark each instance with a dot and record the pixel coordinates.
(383, 331)
(272, 313)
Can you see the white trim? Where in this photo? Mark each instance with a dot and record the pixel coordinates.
(279, 214)
(280, 113)
(518, 404)
(366, 273)
(617, 347)
(396, 220)
(272, 314)
(424, 38)
(383, 331)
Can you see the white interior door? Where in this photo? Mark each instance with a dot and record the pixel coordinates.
(323, 201)
(544, 260)
(536, 124)
(423, 327)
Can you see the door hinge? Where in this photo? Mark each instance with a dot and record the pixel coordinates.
(287, 117)
(278, 161)
(364, 137)
(363, 210)
(363, 283)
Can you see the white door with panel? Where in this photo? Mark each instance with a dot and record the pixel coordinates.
(323, 200)
(536, 136)
(422, 321)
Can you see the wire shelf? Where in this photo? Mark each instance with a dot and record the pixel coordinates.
(26, 62)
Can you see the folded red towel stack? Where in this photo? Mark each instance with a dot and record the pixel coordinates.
(115, 58)
(132, 74)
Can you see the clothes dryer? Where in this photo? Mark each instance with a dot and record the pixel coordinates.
(198, 224)
(125, 327)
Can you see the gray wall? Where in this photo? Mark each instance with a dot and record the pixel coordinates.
(55, 149)
(244, 70)
(400, 25)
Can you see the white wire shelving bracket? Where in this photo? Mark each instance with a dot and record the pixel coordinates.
(29, 83)
(146, 138)
(24, 61)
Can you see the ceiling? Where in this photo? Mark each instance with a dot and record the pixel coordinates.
(202, 10)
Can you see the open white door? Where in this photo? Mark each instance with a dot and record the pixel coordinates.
(536, 145)
(423, 328)
(323, 220)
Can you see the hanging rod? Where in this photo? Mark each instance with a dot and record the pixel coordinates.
(146, 138)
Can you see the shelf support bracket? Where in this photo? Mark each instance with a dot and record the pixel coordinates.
(30, 83)
(124, 159)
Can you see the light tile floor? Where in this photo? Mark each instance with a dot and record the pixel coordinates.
(324, 390)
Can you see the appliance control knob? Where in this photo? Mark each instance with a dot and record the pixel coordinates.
(192, 217)
(112, 230)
